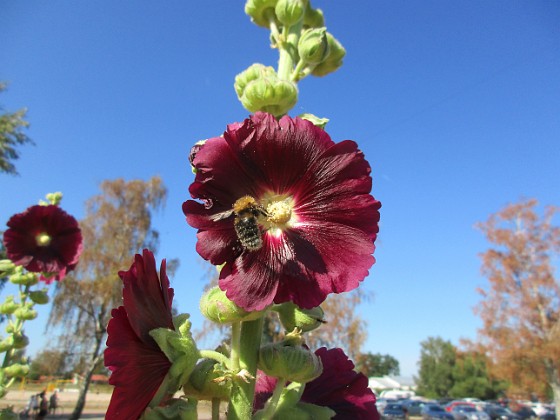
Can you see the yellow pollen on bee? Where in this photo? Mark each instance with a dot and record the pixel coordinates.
(43, 239)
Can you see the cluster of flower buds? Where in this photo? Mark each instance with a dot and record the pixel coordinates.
(298, 31)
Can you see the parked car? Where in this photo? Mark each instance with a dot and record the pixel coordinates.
(435, 412)
(393, 411)
(464, 412)
(497, 412)
(413, 407)
(449, 406)
(525, 412)
(548, 415)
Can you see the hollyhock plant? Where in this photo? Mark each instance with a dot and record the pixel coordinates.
(137, 363)
(286, 209)
(44, 239)
(339, 388)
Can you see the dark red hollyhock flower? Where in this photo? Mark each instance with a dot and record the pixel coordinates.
(137, 364)
(339, 387)
(44, 239)
(288, 210)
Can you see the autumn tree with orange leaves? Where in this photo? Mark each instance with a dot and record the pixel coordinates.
(520, 308)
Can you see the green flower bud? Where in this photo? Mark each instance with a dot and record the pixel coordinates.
(215, 306)
(26, 313)
(20, 340)
(175, 409)
(205, 384)
(40, 297)
(9, 306)
(16, 370)
(313, 18)
(292, 316)
(259, 89)
(292, 363)
(333, 60)
(6, 267)
(289, 12)
(6, 344)
(24, 279)
(54, 198)
(313, 46)
(260, 11)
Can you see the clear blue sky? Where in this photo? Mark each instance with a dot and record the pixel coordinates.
(456, 105)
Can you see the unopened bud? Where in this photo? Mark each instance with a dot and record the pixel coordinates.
(313, 46)
(20, 340)
(6, 344)
(205, 384)
(289, 12)
(216, 306)
(292, 363)
(24, 279)
(16, 370)
(40, 297)
(259, 89)
(333, 61)
(54, 198)
(9, 306)
(292, 316)
(260, 11)
(25, 313)
(313, 18)
(6, 267)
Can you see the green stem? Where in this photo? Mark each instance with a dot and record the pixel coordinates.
(243, 389)
(272, 403)
(288, 52)
(215, 409)
(235, 344)
(214, 355)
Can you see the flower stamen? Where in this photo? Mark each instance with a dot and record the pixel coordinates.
(43, 239)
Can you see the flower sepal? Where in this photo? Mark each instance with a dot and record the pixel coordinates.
(176, 408)
(290, 361)
(208, 381)
(40, 297)
(180, 349)
(317, 121)
(292, 316)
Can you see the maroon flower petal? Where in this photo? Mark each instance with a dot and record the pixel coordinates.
(138, 369)
(341, 388)
(147, 297)
(327, 245)
(58, 255)
(137, 363)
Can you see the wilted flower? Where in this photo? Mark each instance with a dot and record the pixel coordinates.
(286, 209)
(138, 365)
(339, 388)
(44, 239)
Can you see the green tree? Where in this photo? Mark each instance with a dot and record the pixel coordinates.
(117, 225)
(472, 378)
(48, 362)
(12, 125)
(377, 364)
(437, 361)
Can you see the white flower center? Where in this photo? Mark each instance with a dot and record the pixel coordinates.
(280, 215)
(43, 239)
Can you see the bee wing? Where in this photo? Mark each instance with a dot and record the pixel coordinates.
(221, 216)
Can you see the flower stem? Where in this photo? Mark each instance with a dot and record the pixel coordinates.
(243, 389)
(288, 52)
(272, 403)
(215, 409)
(214, 355)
